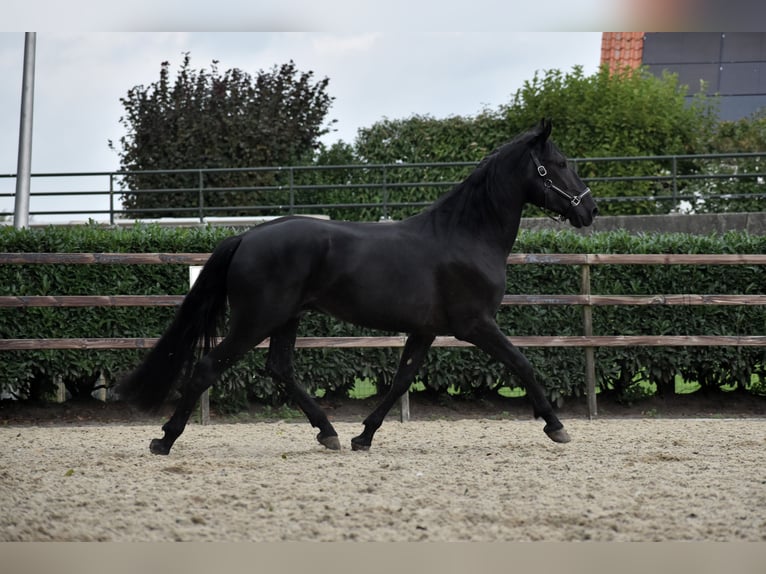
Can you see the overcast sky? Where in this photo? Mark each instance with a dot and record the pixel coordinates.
(81, 76)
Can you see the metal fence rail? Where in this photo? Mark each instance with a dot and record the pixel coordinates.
(284, 190)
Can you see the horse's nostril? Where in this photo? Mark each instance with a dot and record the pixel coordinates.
(595, 211)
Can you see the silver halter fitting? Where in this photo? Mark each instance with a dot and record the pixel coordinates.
(574, 200)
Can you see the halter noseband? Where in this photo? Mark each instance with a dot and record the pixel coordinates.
(574, 200)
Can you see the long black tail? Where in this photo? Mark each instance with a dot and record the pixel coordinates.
(189, 336)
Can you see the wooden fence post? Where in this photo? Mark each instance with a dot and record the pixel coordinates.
(101, 392)
(60, 390)
(404, 413)
(204, 400)
(590, 360)
(404, 401)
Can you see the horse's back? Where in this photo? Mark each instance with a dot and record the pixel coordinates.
(373, 274)
(281, 250)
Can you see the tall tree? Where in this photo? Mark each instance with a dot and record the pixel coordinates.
(209, 119)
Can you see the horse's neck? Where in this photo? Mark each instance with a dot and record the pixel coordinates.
(461, 217)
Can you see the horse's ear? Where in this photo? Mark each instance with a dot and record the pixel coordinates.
(543, 130)
(547, 127)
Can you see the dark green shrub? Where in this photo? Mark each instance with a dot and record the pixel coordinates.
(464, 371)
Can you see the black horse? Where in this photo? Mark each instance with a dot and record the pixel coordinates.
(441, 272)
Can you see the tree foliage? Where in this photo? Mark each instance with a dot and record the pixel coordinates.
(209, 119)
(623, 113)
(741, 182)
(627, 113)
(214, 119)
(426, 139)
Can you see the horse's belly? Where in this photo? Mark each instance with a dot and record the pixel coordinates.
(395, 312)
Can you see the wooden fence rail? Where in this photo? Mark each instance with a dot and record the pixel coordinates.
(585, 299)
(398, 341)
(593, 300)
(513, 259)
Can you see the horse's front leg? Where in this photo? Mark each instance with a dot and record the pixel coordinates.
(415, 350)
(488, 337)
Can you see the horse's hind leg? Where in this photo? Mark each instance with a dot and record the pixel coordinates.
(280, 365)
(415, 350)
(206, 372)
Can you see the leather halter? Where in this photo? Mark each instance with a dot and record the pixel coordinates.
(574, 200)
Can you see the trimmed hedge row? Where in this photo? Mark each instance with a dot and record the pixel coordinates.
(32, 374)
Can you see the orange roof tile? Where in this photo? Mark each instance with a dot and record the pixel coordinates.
(620, 49)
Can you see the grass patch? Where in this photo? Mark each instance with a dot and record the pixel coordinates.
(363, 389)
(366, 388)
(686, 387)
(682, 386)
(511, 393)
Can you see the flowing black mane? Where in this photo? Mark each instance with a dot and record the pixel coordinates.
(480, 203)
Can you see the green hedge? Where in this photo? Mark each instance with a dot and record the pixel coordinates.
(624, 369)
(466, 371)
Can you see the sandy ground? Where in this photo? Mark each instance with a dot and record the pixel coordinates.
(478, 480)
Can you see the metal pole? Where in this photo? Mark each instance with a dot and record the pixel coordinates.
(385, 195)
(201, 184)
(111, 199)
(24, 170)
(675, 182)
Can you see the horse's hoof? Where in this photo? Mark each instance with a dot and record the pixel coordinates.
(359, 445)
(559, 435)
(331, 442)
(157, 446)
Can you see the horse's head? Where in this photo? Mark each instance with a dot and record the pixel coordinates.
(553, 185)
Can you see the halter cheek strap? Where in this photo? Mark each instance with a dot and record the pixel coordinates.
(574, 200)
